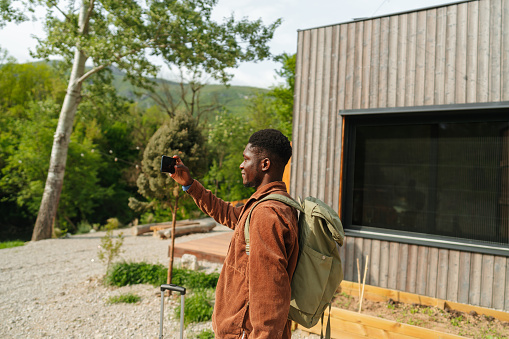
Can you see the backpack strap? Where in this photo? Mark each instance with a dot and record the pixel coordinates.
(277, 197)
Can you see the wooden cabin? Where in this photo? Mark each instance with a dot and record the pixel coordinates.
(401, 124)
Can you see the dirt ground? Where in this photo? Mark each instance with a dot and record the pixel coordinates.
(454, 322)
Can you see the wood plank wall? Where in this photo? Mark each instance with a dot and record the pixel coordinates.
(452, 54)
(464, 277)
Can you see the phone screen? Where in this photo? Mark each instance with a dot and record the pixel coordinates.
(168, 164)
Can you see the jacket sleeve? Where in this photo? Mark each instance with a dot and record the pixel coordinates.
(221, 211)
(272, 243)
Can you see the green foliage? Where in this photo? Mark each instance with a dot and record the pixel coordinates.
(122, 274)
(187, 210)
(194, 279)
(124, 34)
(83, 227)
(27, 125)
(181, 136)
(10, 244)
(206, 334)
(110, 248)
(274, 109)
(182, 32)
(112, 224)
(198, 307)
(228, 136)
(282, 94)
(456, 321)
(21, 84)
(128, 298)
(28, 106)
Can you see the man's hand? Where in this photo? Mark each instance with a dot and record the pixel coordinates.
(182, 174)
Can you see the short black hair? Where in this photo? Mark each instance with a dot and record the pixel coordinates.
(274, 142)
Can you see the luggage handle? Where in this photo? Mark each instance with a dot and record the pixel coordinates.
(182, 291)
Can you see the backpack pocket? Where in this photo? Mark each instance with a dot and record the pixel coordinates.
(309, 280)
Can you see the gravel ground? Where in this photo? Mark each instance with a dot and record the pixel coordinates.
(52, 289)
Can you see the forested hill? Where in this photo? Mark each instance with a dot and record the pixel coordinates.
(232, 98)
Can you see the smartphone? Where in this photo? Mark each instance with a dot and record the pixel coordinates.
(168, 164)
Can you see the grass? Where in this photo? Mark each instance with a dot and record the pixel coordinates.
(128, 298)
(10, 244)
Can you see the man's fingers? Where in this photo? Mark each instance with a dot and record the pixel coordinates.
(179, 161)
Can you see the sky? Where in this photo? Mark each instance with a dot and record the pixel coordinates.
(296, 15)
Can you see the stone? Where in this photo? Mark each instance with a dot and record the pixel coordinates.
(190, 262)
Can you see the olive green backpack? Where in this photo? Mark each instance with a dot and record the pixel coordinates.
(319, 271)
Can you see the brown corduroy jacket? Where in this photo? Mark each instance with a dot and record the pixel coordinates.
(253, 291)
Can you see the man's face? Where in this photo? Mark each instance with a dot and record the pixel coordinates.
(251, 168)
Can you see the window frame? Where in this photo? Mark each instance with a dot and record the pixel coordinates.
(405, 115)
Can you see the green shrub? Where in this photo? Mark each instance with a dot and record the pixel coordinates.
(193, 279)
(9, 244)
(112, 224)
(83, 227)
(128, 298)
(122, 274)
(206, 334)
(110, 248)
(198, 307)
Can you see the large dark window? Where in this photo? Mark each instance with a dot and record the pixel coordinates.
(436, 174)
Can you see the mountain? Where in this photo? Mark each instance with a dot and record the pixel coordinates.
(232, 98)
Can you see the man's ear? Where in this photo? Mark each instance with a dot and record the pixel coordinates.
(265, 164)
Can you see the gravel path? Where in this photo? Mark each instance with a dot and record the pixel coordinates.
(52, 289)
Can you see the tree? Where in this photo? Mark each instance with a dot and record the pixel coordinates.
(228, 136)
(181, 136)
(186, 96)
(123, 33)
(282, 104)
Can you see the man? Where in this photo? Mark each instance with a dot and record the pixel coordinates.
(253, 291)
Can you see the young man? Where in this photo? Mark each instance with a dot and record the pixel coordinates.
(253, 291)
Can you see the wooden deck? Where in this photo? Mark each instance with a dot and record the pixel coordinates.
(213, 248)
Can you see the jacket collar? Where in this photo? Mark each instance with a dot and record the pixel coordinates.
(275, 186)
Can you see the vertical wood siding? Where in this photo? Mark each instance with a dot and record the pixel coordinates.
(469, 278)
(451, 54)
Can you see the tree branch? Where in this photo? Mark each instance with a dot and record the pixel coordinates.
(92, 71)
(89, 11)
(58, 9)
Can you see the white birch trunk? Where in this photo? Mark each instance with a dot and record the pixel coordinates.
(44, 224)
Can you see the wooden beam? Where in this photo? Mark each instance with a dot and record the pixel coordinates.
(348, 324)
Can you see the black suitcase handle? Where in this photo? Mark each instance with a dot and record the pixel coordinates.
(175, 288)
(182, 291)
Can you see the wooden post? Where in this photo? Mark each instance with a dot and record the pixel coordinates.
(174, 226)
(363, 283)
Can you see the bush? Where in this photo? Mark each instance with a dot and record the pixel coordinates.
(128, 298)
(112, 224)
(198, 307)
(206, 334)
(122, 274)
(193, 279)
(83, 227)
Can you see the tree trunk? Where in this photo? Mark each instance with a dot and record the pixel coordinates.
(51, 196)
